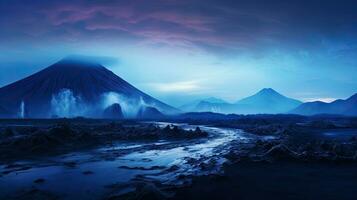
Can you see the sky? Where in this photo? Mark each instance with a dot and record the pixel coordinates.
(182, 50)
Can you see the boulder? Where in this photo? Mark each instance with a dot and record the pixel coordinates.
(148, 112)
(113, 112)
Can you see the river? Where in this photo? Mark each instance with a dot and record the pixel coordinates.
(115, 169)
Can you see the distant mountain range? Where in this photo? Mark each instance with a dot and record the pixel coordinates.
(204, 105)
(341, 107)
(71, 87)
(266, 101)
(76, 86)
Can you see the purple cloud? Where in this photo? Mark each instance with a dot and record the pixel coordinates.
(212, 25)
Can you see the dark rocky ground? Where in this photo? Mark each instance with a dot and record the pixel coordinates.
(282, 170)
(299, 163)
(274, 170)
(26, 139)
(277, 180)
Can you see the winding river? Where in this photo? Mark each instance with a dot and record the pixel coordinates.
(115, 169)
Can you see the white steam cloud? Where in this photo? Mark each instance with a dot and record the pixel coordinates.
(22, 110)
(66, 104)
(130, 107)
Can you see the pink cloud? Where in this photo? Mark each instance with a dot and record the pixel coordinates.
(153, 25)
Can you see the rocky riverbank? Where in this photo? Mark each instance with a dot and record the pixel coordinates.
(31, 141)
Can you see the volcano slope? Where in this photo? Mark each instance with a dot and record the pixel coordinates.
(72, 86)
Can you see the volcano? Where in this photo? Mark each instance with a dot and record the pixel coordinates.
(74, 86)
(266, 101)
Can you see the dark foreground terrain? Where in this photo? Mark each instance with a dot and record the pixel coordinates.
(31, 138)
(245, 157)
(277, 180)
(314, 158)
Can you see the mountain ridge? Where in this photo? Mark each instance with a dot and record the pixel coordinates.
(195, 105)
(265, 101)
(339, 106)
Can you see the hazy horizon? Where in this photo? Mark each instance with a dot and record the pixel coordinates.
(225, 49)
(102, 60)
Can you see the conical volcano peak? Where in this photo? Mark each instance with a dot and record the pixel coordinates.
(268, 100)
(268, 91)
(78, 61)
